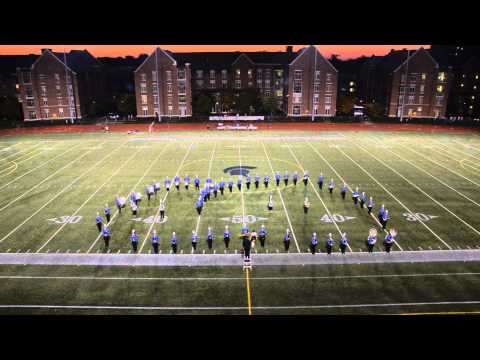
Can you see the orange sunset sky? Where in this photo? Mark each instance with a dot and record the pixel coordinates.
(345, 51)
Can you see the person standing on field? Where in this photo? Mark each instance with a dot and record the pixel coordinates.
(162, 209)
(107, 213)
(226, 236)
(155, 240)
(313, 243)
(194, 240)
(173, 242)
(306, 205)
(262, 235)
(134, 241)
(286, 240)
(329, 243)
(343, 243)
(106, 235)
(98, 221)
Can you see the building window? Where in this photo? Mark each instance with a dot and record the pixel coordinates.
(181, 74)
(27, 79)
(44, 89)
(424, 76)
(400, 99)
(56, 76)
(327, 109)
(297, 99)
(169, 100)
(316, 88)
(329, 77)
(267, 83)
(199, 83)
(168, 75)
(154, 88)
(268, 92)
(29, 91)
(199, 74)
(411, 89)
(155, 99)
(170, 109)
(145, 110)
(411, 99)
(268, 73)
(224, 74)
(238, 84)
(237, 73)
(315, 110)
(259, 73)
(297, 86)
(250, 73)
(154, 76)
(442, 77)
(328, 99)
(297, 75)
(57, 88)
(46, 112)
(422, 89)
(316, 99)
(212, 84)
(279, 73)
(182, 87)
(420, 100)
(144, 99)
(42, 77)
(328, 87)
(224, 84)
(296, 109)
(419, 109)
(439, 88)
(169, 88)
(182, 99)
(439, 100)
(60, 111)
(413, 77)
(402, 90)
(30, 102)
(143, 77)
(212, 74)
(259, 83)
(143, 88)
(59, 101)
(279, 93)
(45, 101)
(32, 114)
(317, 75)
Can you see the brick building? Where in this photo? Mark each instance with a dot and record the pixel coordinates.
(269, 73)
(172, 97)
(407, 84)
(59, 86)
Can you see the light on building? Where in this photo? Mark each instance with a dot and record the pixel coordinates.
(352, 83)
(461, 85)
(471, 106)
(473, 97)
(351, 89)
(17, 86)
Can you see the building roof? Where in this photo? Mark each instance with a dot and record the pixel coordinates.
(10, 63)
(78, 60)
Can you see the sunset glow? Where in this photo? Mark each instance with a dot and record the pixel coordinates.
(345, 51)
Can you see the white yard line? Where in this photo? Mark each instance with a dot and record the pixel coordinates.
(267, 278)
(46, 179)
(35, 148)
(442, 166)
(318, 195)
(59, 193)
(15, 162)
(188, 308)
(131, 190)
(348, 186)
(468, 146)
(281, 198)
(208, 175)
(241, 189)
(419, 189)
(458, 151)
(434, 177)
(394, 197)
(164, 198)
(88, 199)
(39, 166)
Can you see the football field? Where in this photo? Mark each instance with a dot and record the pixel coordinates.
(52, 186)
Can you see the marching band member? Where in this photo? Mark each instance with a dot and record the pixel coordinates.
(149, 190)
(210, 237)
(265, 180)
(162, 209)
(194, 240)
(270, 202)
(306, 205)
(313, 243)
(222, 186)
(207, 191)
(230, 184)
(186, 181)
(226, 236)
(385, 218)
(134, 241)
(134, 208)
(389, 239)
(167, 183)
(98, 221)
(120, 202)
(331, 185)
(370, 205)
(106, 235)
(173, 242)
(355, 196)
(176, 181)
(248, 180)
(253, 237)
(285, 178)
(156, 186)
(380, 213)
(257, 181)
(215, 190)
(247, 245)
(371, 240)
(305, 177)
(295, 178)
(320, 181)
(196, 182)
(343, 243)
(329, 243)
(262, 234)
(363, 199)
(107, 212)
(155, 240)
(286, 240)
(244, 229)
(199, 205)
(239, 183)
(277, 178)
(343, 190)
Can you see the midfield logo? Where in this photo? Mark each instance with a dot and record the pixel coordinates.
(238, 170)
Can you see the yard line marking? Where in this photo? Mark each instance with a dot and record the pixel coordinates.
(164, 198)
(281, 198)
(445, 167)
(434, 177)
(59, 193)
(46, 179)
(39, 166)
(318, 195)
(394, 197)
(241, 189)
(348, 186)
(249, 298)
(419, 189)
(466, 145)
(22, 151)
(88, 199)
(132, 189)
(16, 163)
(285, 307)
(459, 151)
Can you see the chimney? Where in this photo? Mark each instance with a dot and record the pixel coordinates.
(289, 49)
(44, 50)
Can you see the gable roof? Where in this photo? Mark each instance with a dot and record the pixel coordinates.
(155, 51)
(304, 51)
(409, 57)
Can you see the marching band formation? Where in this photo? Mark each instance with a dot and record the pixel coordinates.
(210, 191)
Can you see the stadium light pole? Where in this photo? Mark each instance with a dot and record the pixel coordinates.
(69, 95)
(313, 83)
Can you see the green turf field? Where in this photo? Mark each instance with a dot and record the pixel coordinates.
(52, 185)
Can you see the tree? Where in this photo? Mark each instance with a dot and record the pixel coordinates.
(248, 101)
(126, 105)
(345, 105)
(202, 104)
(10, 110)
(269, 105)
(374, 109)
